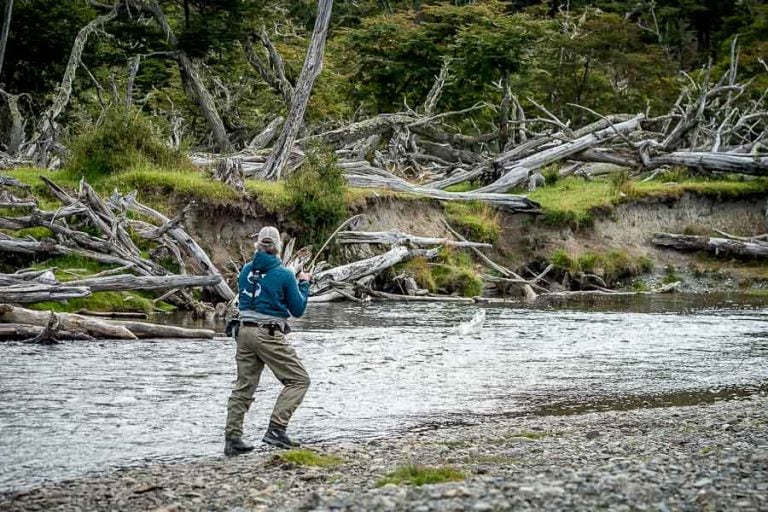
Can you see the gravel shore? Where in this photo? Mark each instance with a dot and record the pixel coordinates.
(705, 457)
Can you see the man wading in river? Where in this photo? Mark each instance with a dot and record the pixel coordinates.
(269, 294)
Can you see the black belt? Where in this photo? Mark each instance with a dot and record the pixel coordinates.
(266, 325)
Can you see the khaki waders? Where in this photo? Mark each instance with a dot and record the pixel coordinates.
(256, 347)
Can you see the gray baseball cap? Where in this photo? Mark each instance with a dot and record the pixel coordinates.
(269, 236)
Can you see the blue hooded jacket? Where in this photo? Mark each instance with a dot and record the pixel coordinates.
(278, 293)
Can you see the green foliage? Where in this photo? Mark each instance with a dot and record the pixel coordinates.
(421, 271)
(317, 194)
(124, 139)
(454, 272)
(612, 265)
(399, 54)
(478, 221)
(304, 457)
(100, 301)
(418, 475)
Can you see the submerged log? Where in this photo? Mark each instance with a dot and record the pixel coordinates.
(718, 246)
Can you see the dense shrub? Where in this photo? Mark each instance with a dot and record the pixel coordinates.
(317, 195)
(123, 139)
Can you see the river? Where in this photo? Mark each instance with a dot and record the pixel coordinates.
(84, 407)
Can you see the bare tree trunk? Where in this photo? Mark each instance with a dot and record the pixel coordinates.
(16, 137)
(6, 31)
(44, 135)
(313, 64)
(193, 83)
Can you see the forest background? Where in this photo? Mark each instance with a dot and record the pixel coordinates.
(613, 56)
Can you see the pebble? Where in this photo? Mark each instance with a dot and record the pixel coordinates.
(645, 459)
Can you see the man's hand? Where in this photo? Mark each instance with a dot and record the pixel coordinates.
(304, 276)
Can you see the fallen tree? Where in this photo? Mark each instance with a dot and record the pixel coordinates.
(92, 327)
(717, 246)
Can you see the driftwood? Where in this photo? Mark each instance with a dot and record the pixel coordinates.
(357, 270)
(718, 246)
(30, 293)
(22, 332)
(201, 259)
(97, 328)
(68, 322)
(399, 238)
(127, 282)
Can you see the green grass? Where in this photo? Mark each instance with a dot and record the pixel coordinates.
(613, 265)
(101, 301)
(477, 221)
(421, 475)
(574, 201)
(454, 271)
(304, 457)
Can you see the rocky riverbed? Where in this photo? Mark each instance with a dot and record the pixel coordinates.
(704, 457)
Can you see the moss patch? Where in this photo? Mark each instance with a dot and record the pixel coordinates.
(101, 301)
(421, 475)
(304, 457)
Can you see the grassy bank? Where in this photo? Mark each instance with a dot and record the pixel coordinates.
(575, 201)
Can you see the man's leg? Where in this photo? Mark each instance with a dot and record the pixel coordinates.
(282, 359)
(249, 368)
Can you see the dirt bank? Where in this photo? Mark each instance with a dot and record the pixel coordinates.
(523, 238)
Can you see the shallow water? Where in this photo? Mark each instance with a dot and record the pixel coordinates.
(80, 407)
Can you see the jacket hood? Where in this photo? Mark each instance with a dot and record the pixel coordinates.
(263, 261)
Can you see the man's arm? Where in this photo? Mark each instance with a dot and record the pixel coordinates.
(296, 294)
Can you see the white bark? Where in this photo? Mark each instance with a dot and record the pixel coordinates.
(313, 64)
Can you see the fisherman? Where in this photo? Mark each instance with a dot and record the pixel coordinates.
(269, 294)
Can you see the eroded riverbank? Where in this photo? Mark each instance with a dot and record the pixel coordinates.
(706, 457)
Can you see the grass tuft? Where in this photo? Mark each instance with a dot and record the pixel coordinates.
(477, 221)
(304, 457)
(418, 475)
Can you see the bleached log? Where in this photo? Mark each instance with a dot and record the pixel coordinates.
(68, 322)
(229, 170)
(21, 332)
(267, 135)
(559, 152)
(718, 246)
(399, 238)
(726, 162)
(412, 298)
(359, 130)
(50, 247)
(370, 266)
(28, 293)
(362, 174)
(200, 257)
(128, 282)
(145, 330)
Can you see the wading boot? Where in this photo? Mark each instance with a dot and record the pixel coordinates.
(276, 436)
(235, 446)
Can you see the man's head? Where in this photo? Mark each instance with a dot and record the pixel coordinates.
(268, 240)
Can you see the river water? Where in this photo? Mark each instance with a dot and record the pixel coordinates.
(377, 369)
